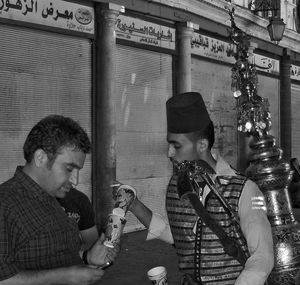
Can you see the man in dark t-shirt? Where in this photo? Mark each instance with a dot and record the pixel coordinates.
(77, 206)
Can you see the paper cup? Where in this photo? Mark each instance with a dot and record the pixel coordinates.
(158, 275)
(114, 228)
(124, 196)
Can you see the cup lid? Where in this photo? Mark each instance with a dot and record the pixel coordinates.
(125, 186)
(115, 183)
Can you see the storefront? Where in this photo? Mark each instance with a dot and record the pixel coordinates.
(145, 50)
(295, 98)
(46, 68)
(212, 62)
(52, 61)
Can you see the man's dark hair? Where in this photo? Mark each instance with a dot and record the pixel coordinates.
(207, 133)
(54, 132)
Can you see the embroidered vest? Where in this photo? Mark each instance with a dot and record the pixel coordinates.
(202, 254)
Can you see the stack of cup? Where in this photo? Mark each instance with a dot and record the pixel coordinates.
(123, 196)
(114, 228)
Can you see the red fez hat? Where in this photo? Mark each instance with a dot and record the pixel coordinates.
(186, 113)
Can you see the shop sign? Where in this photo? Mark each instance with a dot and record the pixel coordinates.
(295, 72)
(144, 32)
(58, 14)
(212, 48)
(223, 51)
(266, 64)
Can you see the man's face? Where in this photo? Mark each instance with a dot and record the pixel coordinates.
(58, 178)
(181, 148)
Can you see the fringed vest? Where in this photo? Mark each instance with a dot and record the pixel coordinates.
(202, 254)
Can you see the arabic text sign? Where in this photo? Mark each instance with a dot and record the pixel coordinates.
(140, 31)
(212, 48)
(59, 14)
(224, 51)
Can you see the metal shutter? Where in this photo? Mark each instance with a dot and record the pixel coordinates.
(144, 83)
(213, 81)
(295, 93)
(41, 73)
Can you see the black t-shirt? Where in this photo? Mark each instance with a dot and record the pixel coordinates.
(78, 207)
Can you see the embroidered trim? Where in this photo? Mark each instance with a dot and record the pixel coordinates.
(198, 251)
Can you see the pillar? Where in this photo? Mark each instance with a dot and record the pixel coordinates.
(104, 118)
(185, 33)
(285, 105)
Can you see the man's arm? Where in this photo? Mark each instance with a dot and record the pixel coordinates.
(156, 225)
(97, 256)
(143, 213)
(89, 237)
(74, 275)
(257, 231)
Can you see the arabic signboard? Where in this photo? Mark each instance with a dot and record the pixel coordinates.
(223, 51)
(266, 64)
(59, 14)
(295, 72)
(148, 33)
(212, 48)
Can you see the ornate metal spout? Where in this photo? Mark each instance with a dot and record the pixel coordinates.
(266, 166)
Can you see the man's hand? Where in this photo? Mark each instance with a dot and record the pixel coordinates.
(100, 254)
(72, 275)
(83, 275)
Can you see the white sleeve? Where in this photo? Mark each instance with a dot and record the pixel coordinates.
(257, 231)
(159, 229)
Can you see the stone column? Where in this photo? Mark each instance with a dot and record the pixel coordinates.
(183, 70)
(104, 117)
(285, 105)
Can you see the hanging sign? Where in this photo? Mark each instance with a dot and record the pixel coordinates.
(58, 14)
(295, 72)
(266, 64)
(143, 32)
(223, 51)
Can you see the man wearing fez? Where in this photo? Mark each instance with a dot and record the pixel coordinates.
(203, 258)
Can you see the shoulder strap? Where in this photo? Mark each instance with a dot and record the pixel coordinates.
(230, 246)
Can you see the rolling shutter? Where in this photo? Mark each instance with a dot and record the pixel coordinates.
(144, 83)
(41, 73)
(295, 93)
